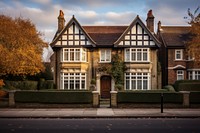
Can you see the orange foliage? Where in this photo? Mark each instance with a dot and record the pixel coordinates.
(1, 83)
(20, 47)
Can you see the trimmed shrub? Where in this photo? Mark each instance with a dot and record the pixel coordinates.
(148, 97)
(56, 97)
(195, 97)
(43, 85)
(187, 85)
(21, 85)
(169, 88)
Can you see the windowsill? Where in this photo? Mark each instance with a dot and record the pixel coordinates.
(138, 62)
(73, 62)
(105, 62)
(179, 60)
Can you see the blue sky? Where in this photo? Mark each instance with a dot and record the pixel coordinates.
(44, 13)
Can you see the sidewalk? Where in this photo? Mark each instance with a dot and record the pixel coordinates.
(98, 113)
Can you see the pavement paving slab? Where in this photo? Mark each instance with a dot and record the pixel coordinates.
(96, 113)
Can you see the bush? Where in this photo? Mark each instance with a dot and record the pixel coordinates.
(68, 97)
(93, 82)
(48, 84)
(187, 85)
(148, 97)
(21, 85)
(169, 88)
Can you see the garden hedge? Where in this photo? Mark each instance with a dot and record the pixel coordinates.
(56, 97)
(187, 85)
(195, 97)
(148, 97)
(21, 85)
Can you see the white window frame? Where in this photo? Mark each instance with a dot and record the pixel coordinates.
(180, 75)
(71, 55)
(105, 55)
(133, 54)
(181, 54)
(71, 80)
(194, 75)
(134, 79)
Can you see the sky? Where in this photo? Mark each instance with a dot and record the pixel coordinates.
(44, 13)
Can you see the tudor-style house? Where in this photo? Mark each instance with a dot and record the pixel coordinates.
(79, 52)
(176, 65)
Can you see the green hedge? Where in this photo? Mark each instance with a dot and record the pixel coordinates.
(46, 84)
(148, 97)
(187, 85)
(56, 97)
(21, 85)
(195, 97)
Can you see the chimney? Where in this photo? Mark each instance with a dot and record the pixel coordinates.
(150, 21)
(61, 21)
(159, 27)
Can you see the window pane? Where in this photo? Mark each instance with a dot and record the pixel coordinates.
(77, 54)
(102, 55)
(139, 56)
(145, 84)
(83, 84)
(133, 84)
(127, 55)
(66, 55)
(144, 56)
(139, 84)
(127, 84)
(77, 84)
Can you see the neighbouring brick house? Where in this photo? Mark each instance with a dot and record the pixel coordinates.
(176, 65)
(80, 51)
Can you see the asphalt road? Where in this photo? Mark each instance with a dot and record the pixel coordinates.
(100, 125)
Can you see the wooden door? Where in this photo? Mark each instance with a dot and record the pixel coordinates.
(105, 86)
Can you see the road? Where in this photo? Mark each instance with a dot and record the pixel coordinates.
(100, 125)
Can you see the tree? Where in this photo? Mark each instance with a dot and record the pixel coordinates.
(193, 45)
(21, 47)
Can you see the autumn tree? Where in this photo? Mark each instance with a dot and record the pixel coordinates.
(21, 47)
(193, 45)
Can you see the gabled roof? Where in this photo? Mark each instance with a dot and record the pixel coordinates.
(135, 21)
(105, 35)
(175, 36)
(72, 20)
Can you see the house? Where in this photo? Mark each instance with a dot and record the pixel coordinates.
(176, 64)
(81, 53)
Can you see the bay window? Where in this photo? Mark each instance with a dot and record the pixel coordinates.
(137, 81)
(137, 55)
(73, 55)
(73, 81)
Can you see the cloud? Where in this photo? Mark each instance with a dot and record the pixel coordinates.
(171, 12)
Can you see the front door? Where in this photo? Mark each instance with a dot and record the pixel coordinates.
(105, 86)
